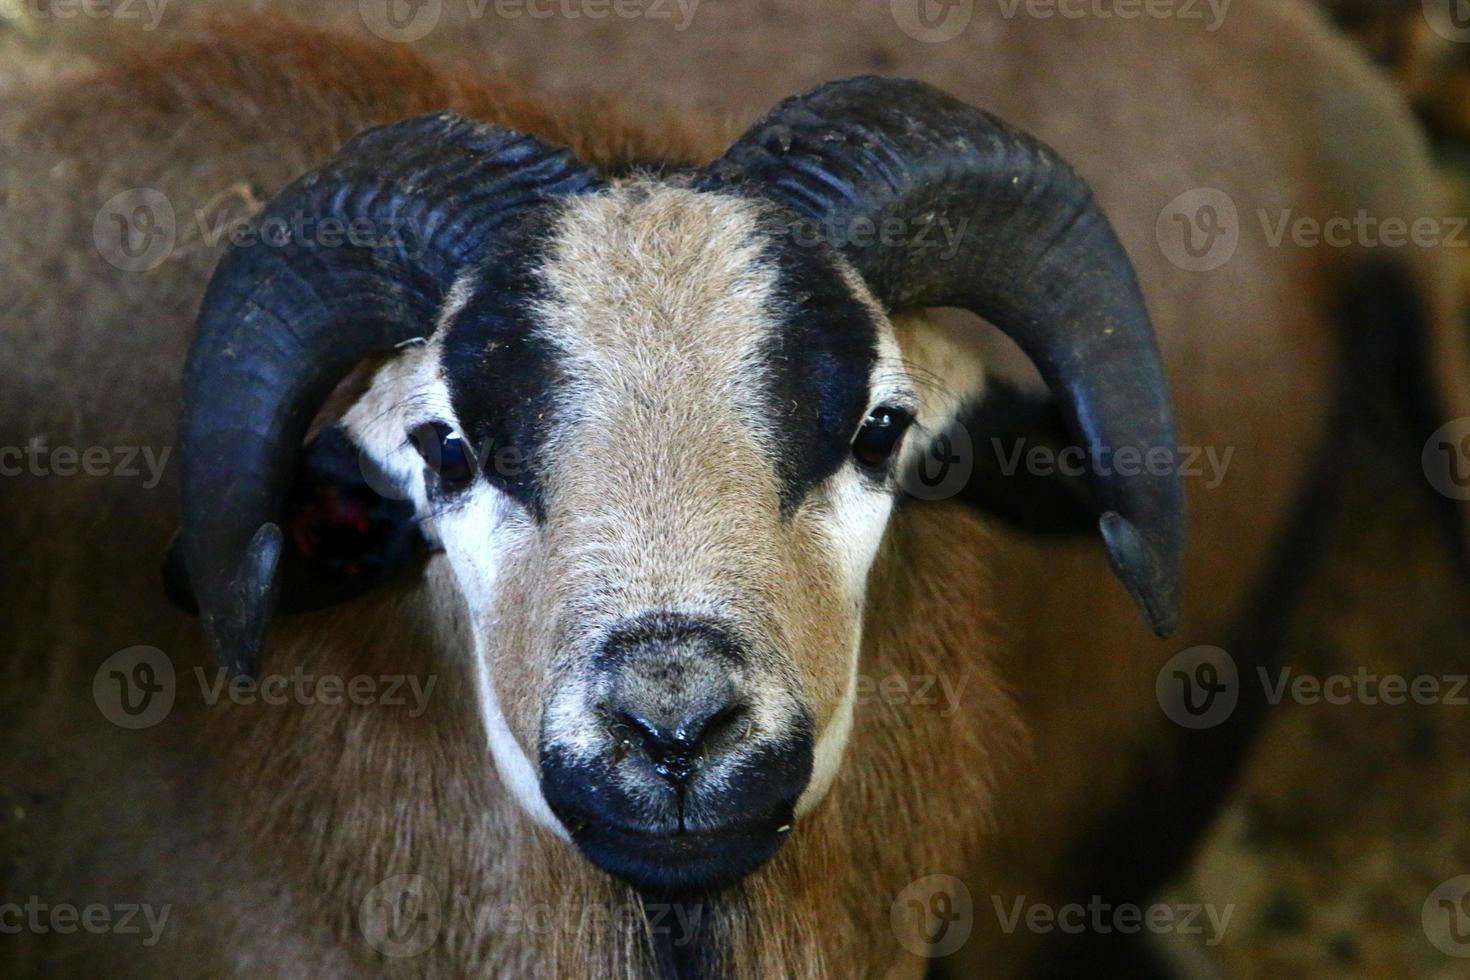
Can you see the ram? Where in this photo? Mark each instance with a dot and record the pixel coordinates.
(569, 583)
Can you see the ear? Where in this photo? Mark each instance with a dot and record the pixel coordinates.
(342, 536)
(984, 426)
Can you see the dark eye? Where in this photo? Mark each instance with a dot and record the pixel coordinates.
(445, 454)
(879, 437)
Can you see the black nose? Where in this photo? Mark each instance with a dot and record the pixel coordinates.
(674, 698)
(668, 781)
(677, 744)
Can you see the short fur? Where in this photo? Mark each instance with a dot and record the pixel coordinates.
(267, 828)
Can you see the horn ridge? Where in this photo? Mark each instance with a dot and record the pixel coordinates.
(287, 314)
(1036, 257)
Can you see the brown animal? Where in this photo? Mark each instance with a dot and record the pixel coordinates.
(276, 833)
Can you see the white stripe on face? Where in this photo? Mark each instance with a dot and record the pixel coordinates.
(662, 491)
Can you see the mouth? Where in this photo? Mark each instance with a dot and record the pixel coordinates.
(683, 862)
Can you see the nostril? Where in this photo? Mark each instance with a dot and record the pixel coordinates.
(725, 721)
(677, 746)
(649, 732)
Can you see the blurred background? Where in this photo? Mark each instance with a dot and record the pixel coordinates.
(1349, 813)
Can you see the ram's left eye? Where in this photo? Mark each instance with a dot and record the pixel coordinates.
(879, 436)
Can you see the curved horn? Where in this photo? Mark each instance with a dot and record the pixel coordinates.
(352, 259)
(868, 158)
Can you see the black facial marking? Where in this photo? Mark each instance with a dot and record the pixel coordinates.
(500, 372)
(820, 356)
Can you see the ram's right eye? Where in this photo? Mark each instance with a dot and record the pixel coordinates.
(445, 454)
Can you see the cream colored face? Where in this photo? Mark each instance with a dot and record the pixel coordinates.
(660, 400)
